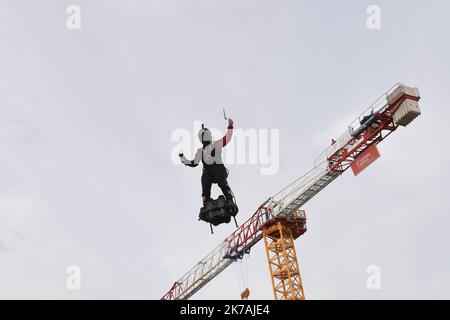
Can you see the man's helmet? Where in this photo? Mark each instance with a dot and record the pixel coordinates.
(204, 135)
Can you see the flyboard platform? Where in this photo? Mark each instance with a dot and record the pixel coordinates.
(218, 211)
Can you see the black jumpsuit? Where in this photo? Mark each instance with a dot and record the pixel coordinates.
(214, 170)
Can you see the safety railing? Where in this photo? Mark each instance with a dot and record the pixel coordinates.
(353, 127)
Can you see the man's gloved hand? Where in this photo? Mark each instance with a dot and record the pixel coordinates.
(180, 155)
(230, 122)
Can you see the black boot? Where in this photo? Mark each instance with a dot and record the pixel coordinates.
(232, 206)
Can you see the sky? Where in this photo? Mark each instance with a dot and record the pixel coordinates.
(87, 118)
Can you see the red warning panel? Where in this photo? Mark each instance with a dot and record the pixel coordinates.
(365, 159)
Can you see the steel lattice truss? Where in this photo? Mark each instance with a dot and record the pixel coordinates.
(283, 265)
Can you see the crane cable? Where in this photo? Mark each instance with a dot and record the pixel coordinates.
(242, 278)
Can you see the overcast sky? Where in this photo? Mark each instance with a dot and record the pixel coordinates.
(86, 119)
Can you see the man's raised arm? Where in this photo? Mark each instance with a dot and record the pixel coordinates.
(227, 137)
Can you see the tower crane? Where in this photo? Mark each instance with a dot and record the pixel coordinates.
(279, 220)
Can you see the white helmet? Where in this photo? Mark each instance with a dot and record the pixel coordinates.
(204, 135)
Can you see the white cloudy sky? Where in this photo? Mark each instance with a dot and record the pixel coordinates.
(86, 118)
